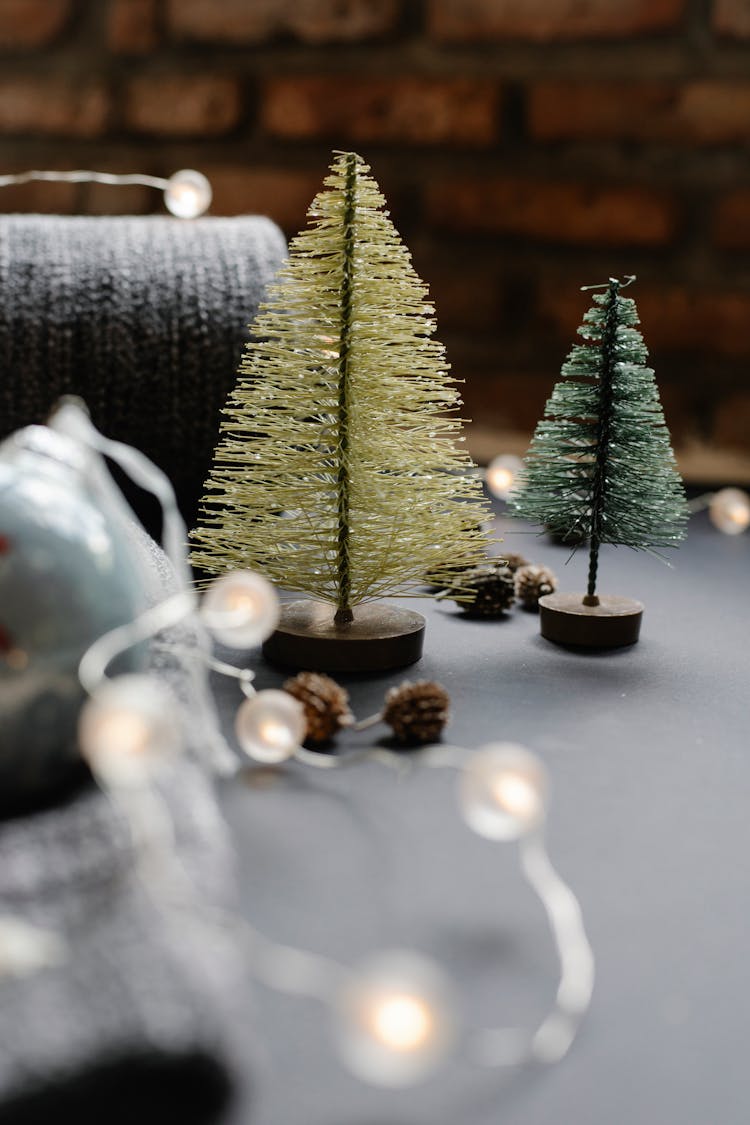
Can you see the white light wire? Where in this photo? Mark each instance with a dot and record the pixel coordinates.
(556, 1033)
(81, 176)
(554, 1036)
(301, 973)
(700, 503)
(72, 419)
(495, 1047)
(244, 676)
(92, 670)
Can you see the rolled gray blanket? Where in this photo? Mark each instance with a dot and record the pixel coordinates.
(145, 318)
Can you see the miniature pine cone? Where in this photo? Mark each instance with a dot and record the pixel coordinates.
(532, 583)
(486, 590)
(417, 712)
(513, 562)
(325, 702)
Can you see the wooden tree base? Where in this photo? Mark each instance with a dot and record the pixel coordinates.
(615, 622)
(379, 638)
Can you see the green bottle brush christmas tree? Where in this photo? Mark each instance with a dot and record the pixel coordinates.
(338, 473)
(600, 468)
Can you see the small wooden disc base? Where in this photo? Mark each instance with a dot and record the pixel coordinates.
(379, 638)
(615, 622)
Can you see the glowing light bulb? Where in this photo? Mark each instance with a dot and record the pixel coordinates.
(395, 1019)
(729, 511)
(126, 729)
(187, 194)
(241, 609)
(503, 792)
(502, 473)
(517, 796)
(271, 726)
(402, 1022)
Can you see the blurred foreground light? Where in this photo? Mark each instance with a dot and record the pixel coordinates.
(187, 194)
(502, 474)
(271, 726)
(126, 730)
(729, 510)
(503, 792)
(395, 1019)
(241, 609)
(25, 949)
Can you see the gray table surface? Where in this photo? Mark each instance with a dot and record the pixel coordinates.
(648, 754)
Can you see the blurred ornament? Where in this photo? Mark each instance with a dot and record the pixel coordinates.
(729, 510)
(325, 702)
(67, 576)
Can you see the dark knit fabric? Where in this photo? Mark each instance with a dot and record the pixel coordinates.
(145, 318)
(138, 1024)
(141, 996)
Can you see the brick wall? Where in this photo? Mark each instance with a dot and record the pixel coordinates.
(527, 147)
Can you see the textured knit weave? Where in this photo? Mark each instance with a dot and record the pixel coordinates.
(138, 1023)
(145, 318)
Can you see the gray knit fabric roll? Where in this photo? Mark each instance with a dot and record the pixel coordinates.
(138, 1023)
(145, 318)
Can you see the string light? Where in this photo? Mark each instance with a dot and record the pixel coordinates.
(187, 193)
(395, 1015)
(126, 728)
(240, 609)
(395, 1019)
(729, 510)
(503, 792)
(502, 473)
(271, 726)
